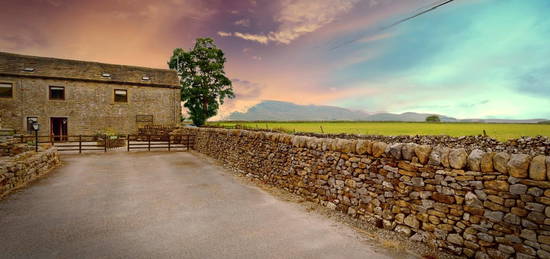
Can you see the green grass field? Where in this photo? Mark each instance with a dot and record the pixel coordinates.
(501, 132)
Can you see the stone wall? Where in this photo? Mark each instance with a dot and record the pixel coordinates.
(10, 146)
(19, 170)
(158, 130)
(539, 145)
(475, 203)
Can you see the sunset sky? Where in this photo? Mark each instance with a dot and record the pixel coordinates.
(467, 59)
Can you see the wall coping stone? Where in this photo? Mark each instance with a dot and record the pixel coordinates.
(433, 154)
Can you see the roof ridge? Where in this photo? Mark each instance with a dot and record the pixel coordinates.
(82, 61)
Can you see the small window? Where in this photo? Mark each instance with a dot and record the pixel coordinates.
(6, 90)
(57, 93)
(121, 96)
(30, 121)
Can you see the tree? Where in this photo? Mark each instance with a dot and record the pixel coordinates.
(433, 118)
(204, 85)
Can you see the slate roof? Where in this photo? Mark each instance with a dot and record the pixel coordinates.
(54, 68)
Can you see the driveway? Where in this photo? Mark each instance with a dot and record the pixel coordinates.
(160, 204)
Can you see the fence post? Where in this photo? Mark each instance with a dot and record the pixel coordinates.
(128, 142)
(80, 144)
(149, 142)
(105, 144)
(169, 143)
(187, 138)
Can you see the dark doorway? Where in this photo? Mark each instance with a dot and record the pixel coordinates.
(58, 128)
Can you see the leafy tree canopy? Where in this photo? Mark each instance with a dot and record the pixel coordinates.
(204, 85)
(433, 118)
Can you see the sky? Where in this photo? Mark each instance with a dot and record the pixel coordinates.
(466, 59)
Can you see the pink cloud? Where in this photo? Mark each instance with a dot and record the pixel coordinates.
(300, 17)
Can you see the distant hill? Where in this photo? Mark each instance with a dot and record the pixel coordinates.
(285, 111)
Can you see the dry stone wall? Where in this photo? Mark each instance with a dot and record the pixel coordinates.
(10, 146)
(19, 170)
(474, 203)
(539, 145)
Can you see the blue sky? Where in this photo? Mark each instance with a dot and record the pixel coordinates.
(466, 59)
(479, 59)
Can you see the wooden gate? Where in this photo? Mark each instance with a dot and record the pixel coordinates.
(155, 142)
(82, 143)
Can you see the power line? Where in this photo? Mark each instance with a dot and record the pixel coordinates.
(396, 23)
(418, 14)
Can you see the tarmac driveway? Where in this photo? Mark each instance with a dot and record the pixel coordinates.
(159, 205)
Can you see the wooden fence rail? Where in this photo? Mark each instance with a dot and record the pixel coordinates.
(69, 142)
(104, 142)
(169, 142)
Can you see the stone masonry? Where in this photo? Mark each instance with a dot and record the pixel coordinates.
(476, 203)
(10, 147)
(88, 104)
(19, 170)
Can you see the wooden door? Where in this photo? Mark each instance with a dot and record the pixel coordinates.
(59, 128)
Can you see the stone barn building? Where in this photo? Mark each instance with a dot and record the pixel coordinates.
(71, 97)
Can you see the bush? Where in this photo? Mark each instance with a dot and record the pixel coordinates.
(112, 136)
(433, 118)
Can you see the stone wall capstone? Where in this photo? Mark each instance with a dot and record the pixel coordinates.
(475, 203)
(539, 145)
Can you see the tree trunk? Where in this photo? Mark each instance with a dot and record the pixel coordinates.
(205, 106)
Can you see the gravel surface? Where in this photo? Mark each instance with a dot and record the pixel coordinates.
(165, 205)
(368, 232)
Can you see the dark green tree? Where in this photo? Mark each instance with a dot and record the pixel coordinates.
(204, 85)
(433, 118)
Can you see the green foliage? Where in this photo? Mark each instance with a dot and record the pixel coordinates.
(108, 132)
(203, 80)
(433, 118)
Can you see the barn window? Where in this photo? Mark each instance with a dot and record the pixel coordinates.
(121, 96)
(6, 90)
(57, 93)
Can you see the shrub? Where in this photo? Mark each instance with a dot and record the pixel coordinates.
(433, 118)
